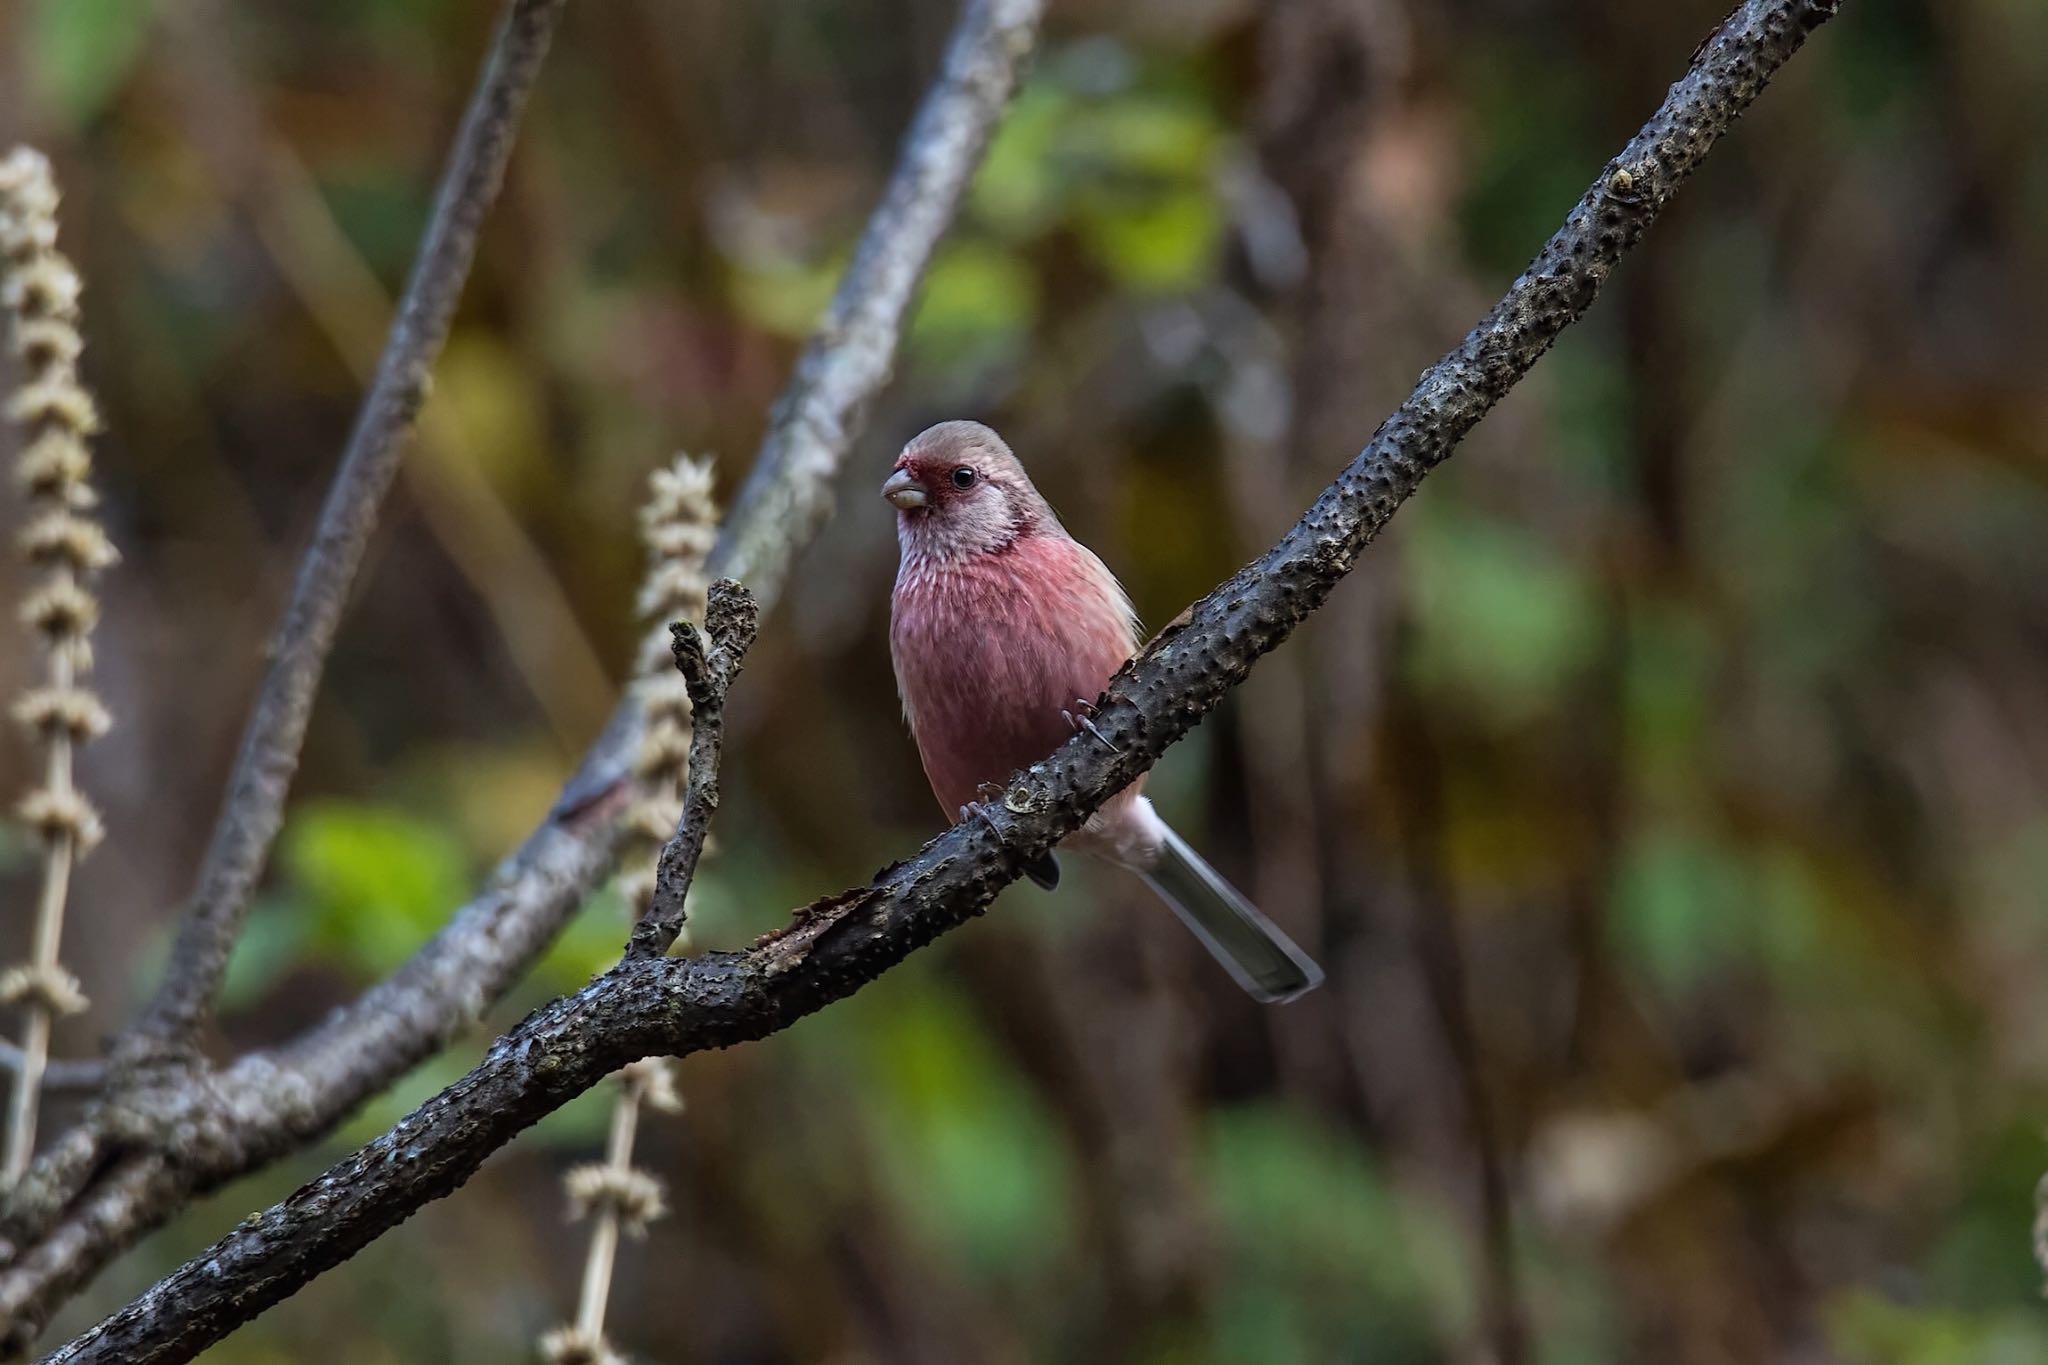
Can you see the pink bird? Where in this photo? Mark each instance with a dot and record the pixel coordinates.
(1002, 626)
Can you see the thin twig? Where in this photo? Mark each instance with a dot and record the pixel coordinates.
(75, 1077)
(709, 660)
(661, 1005)
(253, 809)
(278, 1100)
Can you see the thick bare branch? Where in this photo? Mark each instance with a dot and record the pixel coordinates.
(654, 1005)
(283, 1098)
(709, 660)
(269, 757)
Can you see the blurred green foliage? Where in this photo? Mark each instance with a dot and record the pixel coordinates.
(960, 1143)
(1307, 1219)
(1502, 618)
(1720, 748)
(80, 51)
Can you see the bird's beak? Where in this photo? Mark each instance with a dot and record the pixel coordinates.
(904, 491)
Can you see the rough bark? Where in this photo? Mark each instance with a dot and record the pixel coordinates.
(709, 660)
(149, 1149)
(653, 1005)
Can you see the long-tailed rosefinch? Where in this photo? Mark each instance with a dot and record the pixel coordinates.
(1002, 628)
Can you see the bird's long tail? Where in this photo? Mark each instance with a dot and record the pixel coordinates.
(1251, 947)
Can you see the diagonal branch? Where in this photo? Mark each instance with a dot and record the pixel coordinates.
(63, 1230)
(490, 942)
(655, 1005)
(269, 757)
(709, 660)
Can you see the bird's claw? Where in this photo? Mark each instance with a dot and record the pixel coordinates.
(1080, 719)
(975, 810)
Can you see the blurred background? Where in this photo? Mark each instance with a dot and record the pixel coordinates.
(1667, 793)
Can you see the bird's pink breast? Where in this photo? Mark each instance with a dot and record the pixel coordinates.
(991, 648)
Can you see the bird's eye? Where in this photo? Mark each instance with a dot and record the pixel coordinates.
(963, 477)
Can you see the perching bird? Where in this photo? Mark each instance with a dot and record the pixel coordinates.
(1003, 627)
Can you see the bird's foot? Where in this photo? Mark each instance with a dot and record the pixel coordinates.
(975, 810)
(1081, 718)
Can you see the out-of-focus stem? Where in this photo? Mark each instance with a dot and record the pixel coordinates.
(621, 1200)
(55, 414)
(604, 1235)
(49, 934)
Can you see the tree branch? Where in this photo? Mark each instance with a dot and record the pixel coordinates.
(272, 1102)
(655, 1005)
(708, 666)
(254, 807)
(59, 1077)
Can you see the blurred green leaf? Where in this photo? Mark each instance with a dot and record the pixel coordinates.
(1682, 909)
(400, 19)
(786, 297)
(1133, 172)
(976, 298)
(374, 881)
(1869, 1330)
(1144, 135)
(1979, 1262)
(1591, 400)
(1501, 616)
(1666, 697)
(82, 50)
(1017, 193)
(380, 206)
(1154, 242)
(1534, 158)
(486, 399)
(974, 1160)
(1309, 1220)
(273, 940)
(1884, 61)
(590, 943)
(970, 1157)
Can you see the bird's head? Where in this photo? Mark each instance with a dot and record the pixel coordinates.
(958, 491)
